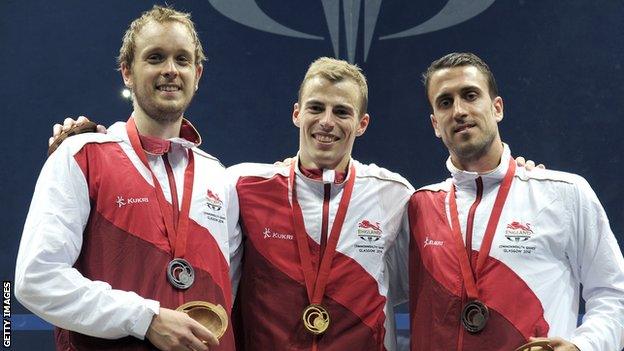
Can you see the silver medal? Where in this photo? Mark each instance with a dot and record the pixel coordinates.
(180, 273)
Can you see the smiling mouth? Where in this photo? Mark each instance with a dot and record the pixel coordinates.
(168, 88)
(325, 138)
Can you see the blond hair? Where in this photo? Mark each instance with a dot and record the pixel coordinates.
(335, 71)
(158, 14)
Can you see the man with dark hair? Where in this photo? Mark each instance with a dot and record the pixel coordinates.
(126, 227)
(498, 254)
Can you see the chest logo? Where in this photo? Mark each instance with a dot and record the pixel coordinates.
(270, 234)
(369, 231)
(431, 242)
(131, 200)
(518, 232)
(213, 201)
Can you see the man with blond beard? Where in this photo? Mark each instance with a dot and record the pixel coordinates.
(125, 227)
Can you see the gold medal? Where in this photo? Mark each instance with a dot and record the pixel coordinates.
(315, 319)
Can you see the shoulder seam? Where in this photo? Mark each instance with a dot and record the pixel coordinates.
(526, 179)
(384, 178)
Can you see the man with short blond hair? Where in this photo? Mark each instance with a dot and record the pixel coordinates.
(335, 71)
(126, 227)
(158, 14)
(319, 231)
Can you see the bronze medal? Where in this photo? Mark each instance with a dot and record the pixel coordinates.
(315, 319)
(211, 316)
(474, 316)
(537, 345)
(180, 273)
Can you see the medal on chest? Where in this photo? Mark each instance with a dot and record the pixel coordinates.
(316, 318)
(180, 273)
(475, 313)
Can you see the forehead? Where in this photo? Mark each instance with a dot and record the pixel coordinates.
(345, 91)
(171, 35)
(448, 80)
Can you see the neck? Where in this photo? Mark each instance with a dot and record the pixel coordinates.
(160, 129)
(308, 163)
(485, 163)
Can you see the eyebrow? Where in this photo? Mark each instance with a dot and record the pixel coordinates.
(339, 105)
(313, 102)
(462, 90)
(158, 49)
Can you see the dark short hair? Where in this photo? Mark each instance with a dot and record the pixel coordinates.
(460, 59)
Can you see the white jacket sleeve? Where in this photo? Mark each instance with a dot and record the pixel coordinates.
(598, 263)
(46, 282)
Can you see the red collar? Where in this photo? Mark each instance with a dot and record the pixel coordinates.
(317, 174)
(157, 146)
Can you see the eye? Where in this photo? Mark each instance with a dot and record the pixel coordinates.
(342, 112)
(154, 58)
(183, 60)
(471, 96)
(445, 103)
(315, 108)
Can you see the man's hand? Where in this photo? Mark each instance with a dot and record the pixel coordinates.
(175, 331)
(286, 162)
(529, 165)
(557, 344)
(57, 129)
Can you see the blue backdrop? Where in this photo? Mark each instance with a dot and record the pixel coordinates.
(558, 65)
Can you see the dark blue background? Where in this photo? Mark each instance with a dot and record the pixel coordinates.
(558, 65)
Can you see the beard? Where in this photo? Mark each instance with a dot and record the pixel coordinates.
(470, 151)
(159, 111)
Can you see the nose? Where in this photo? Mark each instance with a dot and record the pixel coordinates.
(170, 70)
(459, 109)
(327, 120)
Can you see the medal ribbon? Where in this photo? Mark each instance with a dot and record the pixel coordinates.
(317, 281)
(468, 273)
(176, 235)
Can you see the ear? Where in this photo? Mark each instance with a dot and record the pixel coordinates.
(126, 74)
(295, 115)
(362, 125)
(199, 69)
(497, 104)
(434, 124)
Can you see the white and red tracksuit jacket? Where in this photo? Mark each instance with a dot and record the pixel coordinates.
(272, 293)
(93, 255)
(553, 236)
